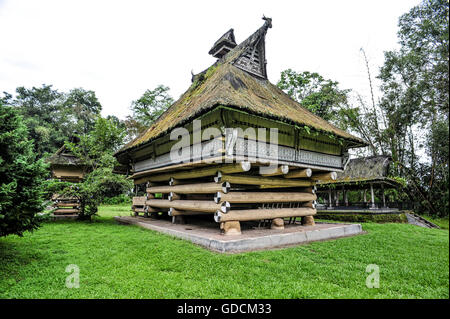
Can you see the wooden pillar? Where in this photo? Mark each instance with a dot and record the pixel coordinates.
(383, 195)
(337, 197)
(372, 196)
(344, 194)
(330, 198)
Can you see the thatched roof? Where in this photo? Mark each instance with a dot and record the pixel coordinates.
(366, 170)
(227, 85)
(63, 157)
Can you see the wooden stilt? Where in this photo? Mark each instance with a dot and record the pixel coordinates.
(330, 199)
(372, 197)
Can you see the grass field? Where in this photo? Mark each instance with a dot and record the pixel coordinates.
(118, 261)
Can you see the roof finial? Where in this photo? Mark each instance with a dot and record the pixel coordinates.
(268, 23)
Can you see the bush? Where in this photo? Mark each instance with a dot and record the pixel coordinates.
(117, 200)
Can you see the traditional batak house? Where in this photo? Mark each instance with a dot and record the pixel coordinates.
(66, 167)
(233, 164)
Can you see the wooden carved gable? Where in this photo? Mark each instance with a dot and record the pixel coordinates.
(253, 58)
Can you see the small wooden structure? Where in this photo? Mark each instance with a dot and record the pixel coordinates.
(65, 166)
(365, 177)
(228, 113)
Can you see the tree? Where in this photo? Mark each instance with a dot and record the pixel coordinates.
(320, 96)
(52, 116)
(410, 121)
(22, 176)
(416, 102)
(148, 108)
(84, 107)
(41, 109)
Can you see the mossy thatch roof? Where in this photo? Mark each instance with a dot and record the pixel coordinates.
(63, 157)
(225, 84)
(366, 170)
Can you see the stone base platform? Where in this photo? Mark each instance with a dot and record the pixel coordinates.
(207, 234)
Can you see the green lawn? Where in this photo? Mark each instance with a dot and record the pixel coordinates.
(118, 261)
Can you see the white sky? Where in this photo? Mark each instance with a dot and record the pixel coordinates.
(121, 48)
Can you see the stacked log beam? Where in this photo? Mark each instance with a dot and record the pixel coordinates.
(66, 205)
(233, 193)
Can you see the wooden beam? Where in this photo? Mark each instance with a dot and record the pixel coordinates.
(139, 200)
(190, 205)
(303, 173)
(65, 211)
(264, 197)
(330, 176)
(200, 172)
(72, 204)
(257, 214)
(173, 196)
(176, 212)
(200, 188)
(268, 171)
(260, 180)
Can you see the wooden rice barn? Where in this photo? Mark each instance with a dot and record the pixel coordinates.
(223, 172)
(65, 166)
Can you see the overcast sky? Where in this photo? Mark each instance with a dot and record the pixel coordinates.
(121, 48)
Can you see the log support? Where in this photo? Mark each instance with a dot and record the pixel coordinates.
(277, 223)
(234, 196)
(308, 221)
(303, 173)
(372, 197)
(231, 228)
(330, 198)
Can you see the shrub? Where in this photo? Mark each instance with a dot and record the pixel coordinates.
(21, 176)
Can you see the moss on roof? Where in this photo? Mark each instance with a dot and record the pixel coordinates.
(227, 85)
(63, 157)
(365, 170)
